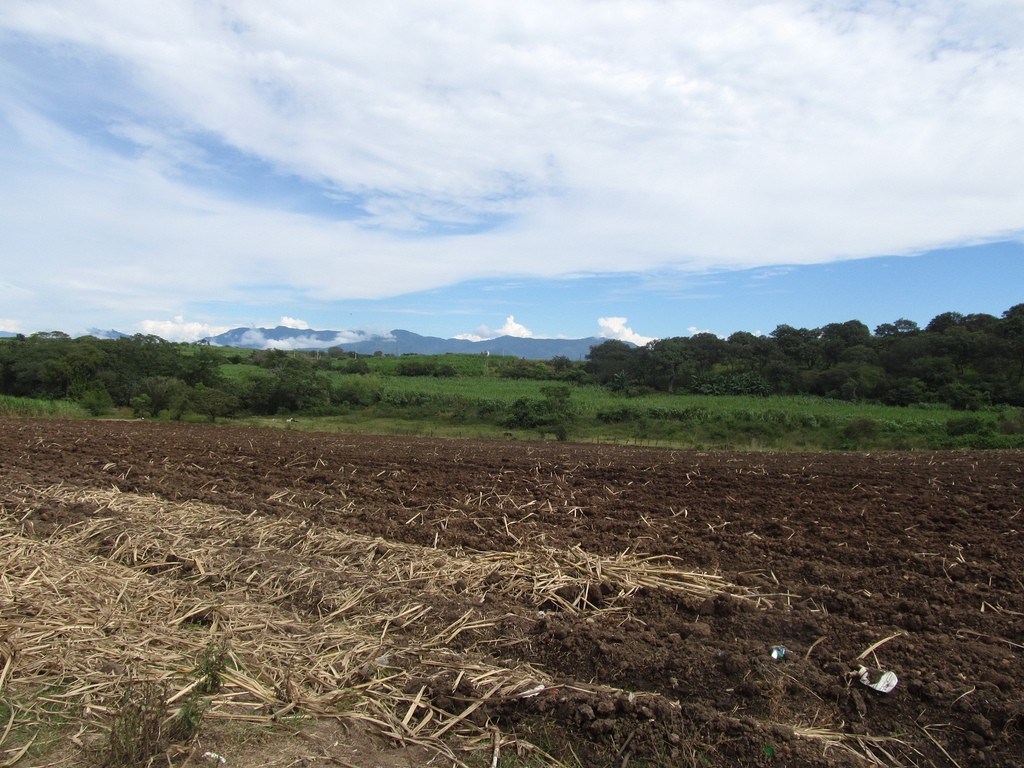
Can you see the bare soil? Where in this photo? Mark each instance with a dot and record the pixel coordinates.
(905, 562)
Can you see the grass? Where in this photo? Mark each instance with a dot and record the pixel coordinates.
(32, 408)
(478, 404)
(465, 365)
(478, 408)
(32, 724)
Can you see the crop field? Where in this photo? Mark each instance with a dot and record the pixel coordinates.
(175, 594)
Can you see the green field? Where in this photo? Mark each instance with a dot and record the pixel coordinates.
(477, 407)
(473, 396)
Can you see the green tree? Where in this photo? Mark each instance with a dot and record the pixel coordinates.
(161, 393)
(96, 401)
(838, 339)
(895, 329)
(1011, 328)
(667, 360)
(706, 351)
(612, 357)
(801, 346)
(212, 402)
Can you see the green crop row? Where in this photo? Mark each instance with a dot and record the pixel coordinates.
(34, 408)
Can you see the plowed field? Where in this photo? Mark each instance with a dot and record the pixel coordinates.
(424, 591)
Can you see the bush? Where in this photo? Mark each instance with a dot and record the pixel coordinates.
(966, 425)
(97, 401)
(143, 728)
(355, 392)
(961, 397)
(554, 412)
(525, 413)
(618, 415)
(420, 367)
(142, 405)
(860, 428)
(357, 366)
(1011, 424)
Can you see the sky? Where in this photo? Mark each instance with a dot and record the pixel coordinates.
(630, 169)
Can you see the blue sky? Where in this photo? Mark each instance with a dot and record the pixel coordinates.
(626, 168)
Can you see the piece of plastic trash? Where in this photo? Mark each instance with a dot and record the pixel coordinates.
(213, 756)
(877, 679)
(779, 652)
(532, 692)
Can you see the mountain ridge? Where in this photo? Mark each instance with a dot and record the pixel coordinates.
(401, 342)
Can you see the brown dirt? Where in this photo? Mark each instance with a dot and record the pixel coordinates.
(841, 551)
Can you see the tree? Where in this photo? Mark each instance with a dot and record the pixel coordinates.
(96, 400)
(706, 351)
(748, 352)
(837, 339)
(212, 402)
(801, 345)
(665, 360)
(895, 329)
(606, 360)
(1011, 328)
(201, 366)
(160, 393)
(945, 321)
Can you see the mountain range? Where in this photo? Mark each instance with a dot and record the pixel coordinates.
(401, 342)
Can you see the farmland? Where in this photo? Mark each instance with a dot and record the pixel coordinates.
(501, 603)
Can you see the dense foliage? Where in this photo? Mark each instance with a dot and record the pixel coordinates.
(972, 364)
(965, 361)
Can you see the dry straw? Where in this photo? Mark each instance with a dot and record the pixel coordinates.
(311, 621)
(317, 622)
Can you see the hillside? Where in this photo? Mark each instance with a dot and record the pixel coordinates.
(401, 342)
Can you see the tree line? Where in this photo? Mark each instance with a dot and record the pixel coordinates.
(965, 361)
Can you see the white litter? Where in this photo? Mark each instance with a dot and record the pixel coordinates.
(532, 692)
(876, 679)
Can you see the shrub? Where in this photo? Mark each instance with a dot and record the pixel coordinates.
(618, 415)
(142, 729)
(860, 428)
(354, 391)
(97, 401)
(966, 425)
(1011, 423)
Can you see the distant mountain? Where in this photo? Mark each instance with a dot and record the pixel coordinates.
(109, 334)
(399, 342)
(283, 337)
(7, 335)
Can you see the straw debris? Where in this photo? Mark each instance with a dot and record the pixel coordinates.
(147, 614)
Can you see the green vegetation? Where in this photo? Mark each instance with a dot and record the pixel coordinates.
(958, 383)
(36, 408)
(144, 724)
(34, 724)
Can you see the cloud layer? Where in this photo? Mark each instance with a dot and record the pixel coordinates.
(263, 153)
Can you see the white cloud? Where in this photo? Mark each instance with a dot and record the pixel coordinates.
(255, 337)
(179, 329)
(9, 325)
(616, 328)
(510, 328)
(297, 342)
(291, 322)
(475, 140)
